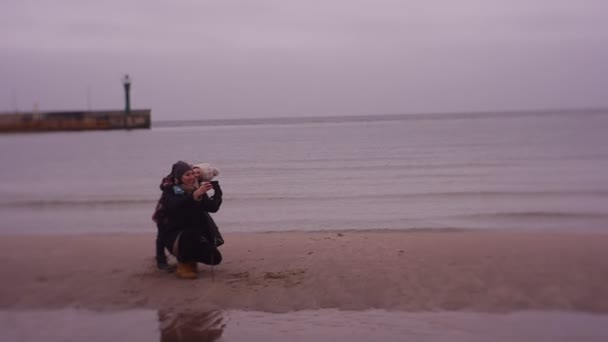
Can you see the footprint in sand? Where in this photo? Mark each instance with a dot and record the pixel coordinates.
(289, 278)
(237, 277)
(275, 275)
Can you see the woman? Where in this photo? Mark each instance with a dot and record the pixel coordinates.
(189, 233)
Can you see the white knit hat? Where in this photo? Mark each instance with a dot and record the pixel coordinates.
(207, 171)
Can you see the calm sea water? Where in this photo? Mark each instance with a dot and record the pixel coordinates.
(318, 325)
(502, 171)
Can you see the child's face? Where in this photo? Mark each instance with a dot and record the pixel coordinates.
(198, 173)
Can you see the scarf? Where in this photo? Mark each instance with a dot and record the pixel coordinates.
(188, 188)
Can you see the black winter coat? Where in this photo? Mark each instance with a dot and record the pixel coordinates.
(183, 213)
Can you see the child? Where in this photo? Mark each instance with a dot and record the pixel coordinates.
(160, 219)
(204, 172)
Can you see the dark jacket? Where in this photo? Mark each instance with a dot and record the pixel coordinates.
(159, 215)
(182, 212)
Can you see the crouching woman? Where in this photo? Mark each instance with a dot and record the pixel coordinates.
(190, 234)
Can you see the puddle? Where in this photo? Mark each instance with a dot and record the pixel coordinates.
(320, 325)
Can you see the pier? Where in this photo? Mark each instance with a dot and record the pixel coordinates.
(74, 121)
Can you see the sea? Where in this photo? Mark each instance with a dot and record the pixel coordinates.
(512, 170)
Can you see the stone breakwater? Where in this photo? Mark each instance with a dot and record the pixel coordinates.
(74, 121)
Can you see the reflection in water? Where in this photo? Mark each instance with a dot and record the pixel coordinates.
(190, 326)
(327, 325)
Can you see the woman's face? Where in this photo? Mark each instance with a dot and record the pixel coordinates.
(197, 172)
(188, 178)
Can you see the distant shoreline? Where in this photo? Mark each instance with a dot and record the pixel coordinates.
(378, 117)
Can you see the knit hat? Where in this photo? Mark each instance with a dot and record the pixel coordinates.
(179, 169)
(207, 171)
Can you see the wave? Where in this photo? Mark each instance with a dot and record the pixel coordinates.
(538, 215)
(435, 195)
(76, 203)
(50, 203)
(58, 203)
(341, 164)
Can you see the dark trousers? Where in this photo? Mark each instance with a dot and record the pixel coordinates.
(193, 246)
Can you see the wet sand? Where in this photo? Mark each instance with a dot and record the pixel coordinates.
(279, 272)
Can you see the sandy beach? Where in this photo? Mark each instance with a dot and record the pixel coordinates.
(278, 272)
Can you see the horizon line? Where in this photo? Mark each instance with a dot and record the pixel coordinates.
(377, 117)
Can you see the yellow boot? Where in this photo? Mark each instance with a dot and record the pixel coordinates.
(185, 271)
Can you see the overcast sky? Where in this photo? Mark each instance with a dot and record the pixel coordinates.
(192, 59)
